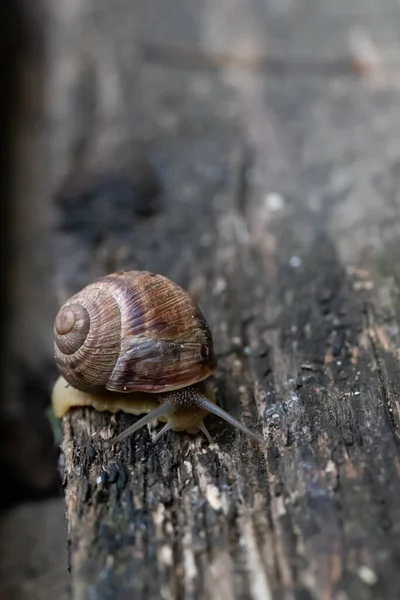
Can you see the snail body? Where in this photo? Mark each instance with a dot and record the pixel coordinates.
(136, 342)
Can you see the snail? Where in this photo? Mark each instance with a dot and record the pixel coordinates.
(136, 342)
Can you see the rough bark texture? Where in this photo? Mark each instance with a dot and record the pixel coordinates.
(277, 208)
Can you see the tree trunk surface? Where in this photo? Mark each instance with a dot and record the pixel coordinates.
(249, 151)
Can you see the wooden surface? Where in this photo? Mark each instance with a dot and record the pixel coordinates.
(272, 129)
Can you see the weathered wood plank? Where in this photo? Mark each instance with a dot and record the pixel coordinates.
(280, 213)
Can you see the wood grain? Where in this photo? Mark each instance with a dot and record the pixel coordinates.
(278, 210)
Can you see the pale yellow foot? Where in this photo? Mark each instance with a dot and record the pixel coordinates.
(64, 397)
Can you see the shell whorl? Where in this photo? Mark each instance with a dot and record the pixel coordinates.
(87, 338)
(71, 327)
(138, 332)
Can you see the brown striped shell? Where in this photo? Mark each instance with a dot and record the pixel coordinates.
(132, 331)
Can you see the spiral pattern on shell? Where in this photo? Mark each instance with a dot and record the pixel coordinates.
(132, 331)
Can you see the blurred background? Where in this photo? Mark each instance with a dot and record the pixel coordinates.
(119, 121)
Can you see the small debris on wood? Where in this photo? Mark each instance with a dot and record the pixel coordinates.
(307, 367)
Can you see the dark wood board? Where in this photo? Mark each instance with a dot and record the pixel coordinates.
(278, 210)
(315, 513)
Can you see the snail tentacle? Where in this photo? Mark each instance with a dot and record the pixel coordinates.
(167, 427)
(220, 412)
(204, 429)
(197, 400)
(164, 410)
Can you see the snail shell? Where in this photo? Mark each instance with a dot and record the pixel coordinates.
(132, 331)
